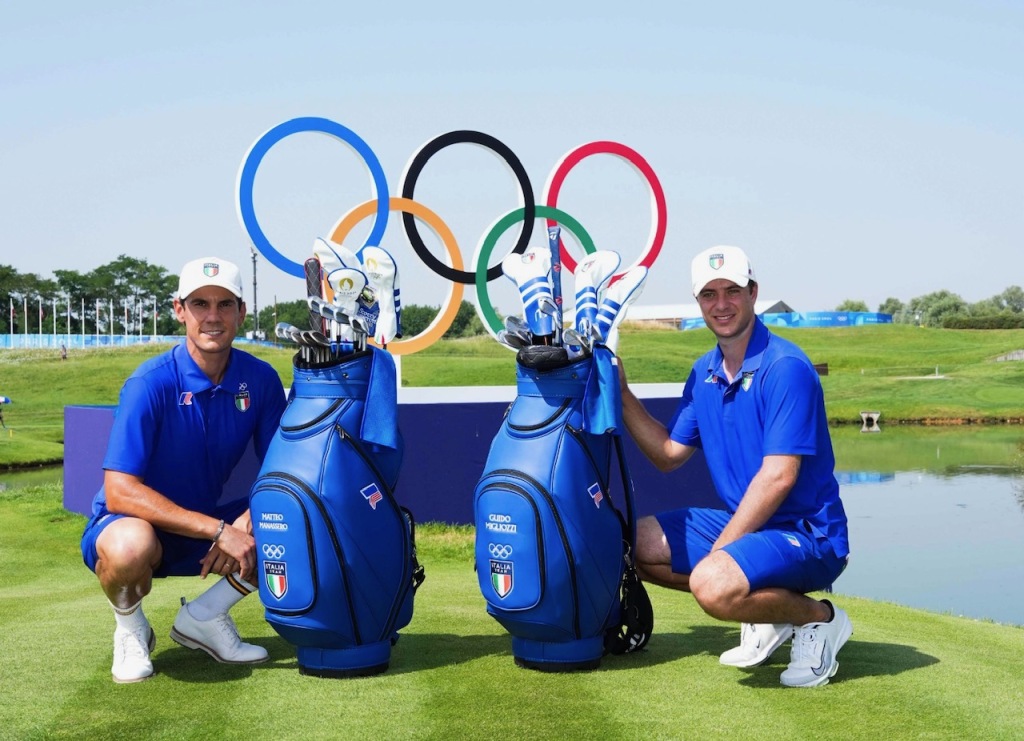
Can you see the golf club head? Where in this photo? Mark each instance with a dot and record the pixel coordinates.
(616, 302)
(518, 326)
(530, 271)
(576, 342)
(513, 341)
(591, 277)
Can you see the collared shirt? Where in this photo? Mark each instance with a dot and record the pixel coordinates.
(773, 406)
(183, 434)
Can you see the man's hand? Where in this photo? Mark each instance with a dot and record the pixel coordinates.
(235, 550)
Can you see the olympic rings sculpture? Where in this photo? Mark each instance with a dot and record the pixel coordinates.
(381, 204)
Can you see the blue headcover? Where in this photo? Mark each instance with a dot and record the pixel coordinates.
(336, 557)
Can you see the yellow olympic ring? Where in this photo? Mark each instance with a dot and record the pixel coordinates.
(451, 305)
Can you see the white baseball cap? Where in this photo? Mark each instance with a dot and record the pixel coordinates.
(209, 271)
(721, 261)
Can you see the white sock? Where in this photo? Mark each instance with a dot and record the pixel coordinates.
(130, 618)
(220, 598)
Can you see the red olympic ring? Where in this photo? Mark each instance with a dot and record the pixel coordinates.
(659, 209)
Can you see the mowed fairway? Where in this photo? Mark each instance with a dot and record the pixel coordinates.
(904, 674)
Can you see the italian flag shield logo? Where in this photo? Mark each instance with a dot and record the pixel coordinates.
(242, 401)
(716, 261)
(276, 575)
(501, 577)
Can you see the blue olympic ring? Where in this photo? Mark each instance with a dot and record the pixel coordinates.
(255, 155)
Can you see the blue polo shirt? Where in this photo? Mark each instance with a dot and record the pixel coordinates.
(774, 406)
(184, 435)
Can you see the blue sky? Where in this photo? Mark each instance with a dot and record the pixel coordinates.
(856, 150)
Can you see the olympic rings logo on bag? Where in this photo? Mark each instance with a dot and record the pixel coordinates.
(380, 205)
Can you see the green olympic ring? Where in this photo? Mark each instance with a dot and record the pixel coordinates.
(485, 308)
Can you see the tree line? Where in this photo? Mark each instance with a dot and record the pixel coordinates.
(133, 296)
(947, 309)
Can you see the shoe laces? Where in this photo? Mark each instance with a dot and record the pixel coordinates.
(133, 644)
(806, 645)
(227, 628)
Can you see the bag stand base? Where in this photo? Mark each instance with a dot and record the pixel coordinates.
(566, 656)
(340, 663)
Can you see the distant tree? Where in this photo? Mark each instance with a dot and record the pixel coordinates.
(466, 323)
(416, 318)
(1013, 299)
(851, 305)
(891, 306)
(932, 308)
(295, 313)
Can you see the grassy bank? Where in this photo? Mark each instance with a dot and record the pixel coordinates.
(904, 674)
(910, 374)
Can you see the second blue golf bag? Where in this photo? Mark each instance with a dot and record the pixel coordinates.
(336, 555)
(553, 553)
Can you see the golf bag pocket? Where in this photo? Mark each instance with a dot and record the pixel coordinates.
(335, 551)
(550, 545)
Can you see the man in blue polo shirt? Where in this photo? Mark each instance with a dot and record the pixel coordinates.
(183, 422)
(754, 405)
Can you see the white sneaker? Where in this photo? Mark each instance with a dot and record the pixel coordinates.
(217, 636)
(758, 641)
(131, 654)
(815, 646)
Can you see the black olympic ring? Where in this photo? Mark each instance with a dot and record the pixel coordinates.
(412, 174)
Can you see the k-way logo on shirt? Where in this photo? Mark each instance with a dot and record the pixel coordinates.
(185, 400)
(242, 400)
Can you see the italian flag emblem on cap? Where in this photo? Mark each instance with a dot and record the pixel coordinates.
(716, 261)
(210, 269)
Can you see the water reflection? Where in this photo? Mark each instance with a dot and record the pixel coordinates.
(936, 518)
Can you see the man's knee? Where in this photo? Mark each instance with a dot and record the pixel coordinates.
(128, 545)
(718, 583)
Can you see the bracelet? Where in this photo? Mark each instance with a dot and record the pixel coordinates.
(220, 529)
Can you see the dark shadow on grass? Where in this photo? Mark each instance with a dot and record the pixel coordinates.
(856, 659)
(193, 665)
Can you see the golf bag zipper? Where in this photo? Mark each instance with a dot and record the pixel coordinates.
(560, 526)
(329, 412)
(338, 550)
(396, 606)
(540, 425)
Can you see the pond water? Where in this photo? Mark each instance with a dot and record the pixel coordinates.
(936, 517)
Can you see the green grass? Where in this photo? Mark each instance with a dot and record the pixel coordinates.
(905, 674)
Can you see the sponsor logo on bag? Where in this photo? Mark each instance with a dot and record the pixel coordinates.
(595, 493)
(501, 577)
(276, 575)
(371, 494)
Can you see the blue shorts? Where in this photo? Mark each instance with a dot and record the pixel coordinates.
(790, 558)
(181, 554)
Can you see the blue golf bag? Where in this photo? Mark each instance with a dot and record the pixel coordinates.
(336, 554)
(553, 553)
